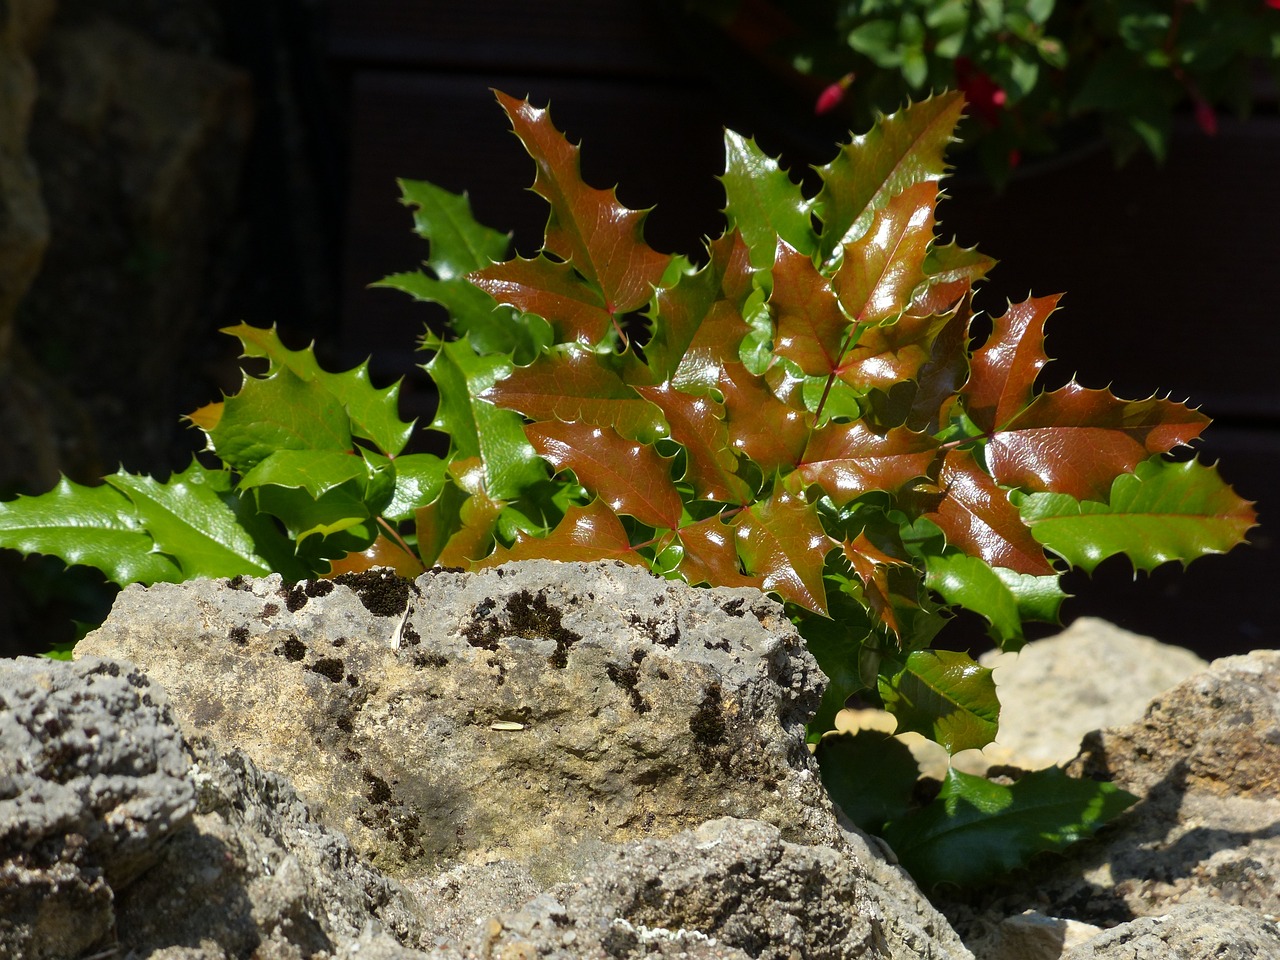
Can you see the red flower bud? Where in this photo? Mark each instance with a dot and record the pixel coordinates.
(1205, 116)
(984, 95)
(831, 97)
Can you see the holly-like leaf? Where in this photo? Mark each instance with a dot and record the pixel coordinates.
(1076, 440)
(458, 243)
(848, 460)
(697, 424)
(900, 151)
(602, 239)
(764, 203)
(1162, 511)
(315, 471)
(886, 355)
(872, 565)
(1003, 597)
(94, 526)
(279, 412)
(383, 552)
(585, 534)
(811, 327)
(373, 413)
(944, 695)
(881, 269)
(477, 427)
(571, 384)
(977, 830)
(952, 271)
(870, 774)
(1003, 371)
(189, 521)
(633, 477)
(710, 555)
(781, 540)
(760, 426)
(419, 478)
(551, 289)
(976, 517)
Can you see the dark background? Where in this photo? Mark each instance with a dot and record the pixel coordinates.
(1170, 272)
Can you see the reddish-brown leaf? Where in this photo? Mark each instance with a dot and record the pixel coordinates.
(882, 269)
(888, 354)
(588, 227)
(872, 565)
(781, 540)
(584, 534)
(552, 290)
(711, 555)
(571, 384)
(631, 477)
(1077, 441)
(383, 552)
(1003, 371)
(811, 328)
(847, 459)
(952, 271)
(939, 380)
(472, 532)
(697, 424)
(761, 426)
(977, 518)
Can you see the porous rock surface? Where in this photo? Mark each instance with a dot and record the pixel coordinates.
(528, 713)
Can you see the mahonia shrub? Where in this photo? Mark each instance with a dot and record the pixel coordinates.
(799, 407)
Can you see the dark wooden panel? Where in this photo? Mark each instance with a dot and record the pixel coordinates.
(609, 37)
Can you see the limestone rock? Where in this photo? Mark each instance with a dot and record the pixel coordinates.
(536, 713)
(83, 806)
(1090, 676)
(1188, 932)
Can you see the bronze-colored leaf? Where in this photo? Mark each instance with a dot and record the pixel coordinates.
(711, 555)
(551, 289)
(760, 425)
(848, 459)
(584, 534)
(811, 328)
(1003, 371)
(781, 540)
(697, 424)
(881, 270)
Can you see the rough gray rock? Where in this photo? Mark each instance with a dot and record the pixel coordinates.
(1187, 932)
(533, 713)
(82, 808)
(1052, 691)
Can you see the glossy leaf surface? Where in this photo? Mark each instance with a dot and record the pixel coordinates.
(944, 695)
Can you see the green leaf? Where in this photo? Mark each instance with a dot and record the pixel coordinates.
(374, 414)
(476, 427)
(1162, 511)
(94, 526)
(1003, 597)
(315, 471)
(458, 243)
(189, 521)
(870, 774)
(764, 203)
(419, 480)
(944, 695)
(900, 151)
(977, 830)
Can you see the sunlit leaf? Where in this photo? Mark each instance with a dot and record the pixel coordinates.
(848, 460)
(764, 203)
(944, 695)
(782, 541)
(585, 534)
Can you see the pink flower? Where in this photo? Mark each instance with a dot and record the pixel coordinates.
(831, 96)
(1273, 4)
(986, 98)
(1205, 116)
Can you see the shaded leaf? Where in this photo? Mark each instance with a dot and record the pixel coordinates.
(842, 642)
(1003, 597)
(887, 354)
(1076, 440)
(781, 540)
(870, 774)
(976, 517)
(601, 238)
(872, 565)
(1162, 511)
(944, 695)
(848, 459)
(631, 477)
(900, 151)
(882, 268)
(977, 830)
